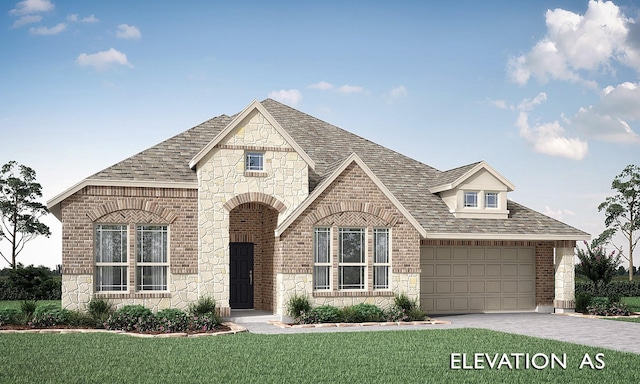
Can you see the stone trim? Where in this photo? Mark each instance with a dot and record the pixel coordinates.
(134, 204)
(77, 271)
(404, 270)
(184, 270)
(255, 148)
(255, 174)
(564, 304)
(157, 295)
(255, 197)
(353, 293)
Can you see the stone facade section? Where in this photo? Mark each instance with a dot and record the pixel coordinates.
(176, 208)
(564, 300)
(223, 183)
(352, 200)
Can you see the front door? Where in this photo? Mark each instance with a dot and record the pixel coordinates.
(241, 275)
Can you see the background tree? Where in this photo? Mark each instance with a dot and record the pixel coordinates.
(20, 212)
(597, 266)
(622, 211)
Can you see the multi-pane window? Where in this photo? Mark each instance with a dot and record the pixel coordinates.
(381, 258)
(471, 199)
(254, 161)
(322, 258)
(491, 200)
(111, 257)
(151, 257)
(351, 258)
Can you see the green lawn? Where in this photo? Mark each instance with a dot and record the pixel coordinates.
(632, 302)
(359, 357)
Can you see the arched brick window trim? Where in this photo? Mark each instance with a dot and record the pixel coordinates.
(255, 197)
(352, 206)
(134, 204)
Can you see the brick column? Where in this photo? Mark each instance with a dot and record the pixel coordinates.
(564, 300)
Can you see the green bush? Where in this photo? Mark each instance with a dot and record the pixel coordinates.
(99, 310)
(403, 301)
(362, 313)
(583, 300)
(171, 320)
(131, 318)
(50, 315)
(604, 308)
(28, 308)
(297, 305)
(37, 283)
(322, 314)
(621, 288)
(417, 314)
(8, 316)
(204, 306)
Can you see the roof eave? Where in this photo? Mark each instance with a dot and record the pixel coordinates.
(507, 236)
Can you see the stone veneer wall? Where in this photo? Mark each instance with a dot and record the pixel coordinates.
(92, 205)
(222, 179)
(352, 200)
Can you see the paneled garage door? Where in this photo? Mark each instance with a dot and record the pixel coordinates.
(477, 279)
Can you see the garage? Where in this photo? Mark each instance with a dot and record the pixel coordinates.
(477, 279)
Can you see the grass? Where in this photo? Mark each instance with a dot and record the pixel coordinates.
(372, 357)
(632, 302)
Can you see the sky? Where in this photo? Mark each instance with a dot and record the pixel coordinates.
(547, 92)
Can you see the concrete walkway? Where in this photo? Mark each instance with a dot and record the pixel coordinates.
(617, 335)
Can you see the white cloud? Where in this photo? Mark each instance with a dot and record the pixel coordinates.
(559, 214)
(126, 31)
(288, 96)
(88, 20)
(398, 92)
(321, 85)
(575, 44)
(502, 104)
(351, 89)
(548, 138)
(103, 60)
(27, 19)
(32, 6)
(45, 31)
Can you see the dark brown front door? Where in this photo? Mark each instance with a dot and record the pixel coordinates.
(241, 275)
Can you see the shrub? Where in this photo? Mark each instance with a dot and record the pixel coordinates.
(403, 301)
(8, 316)
(417, 314)
(321, 314)
(28, 308)
(131, 318)
(171, 320)
(362, 313)
(205, 323)
(204, 305)
(395, 313)
(50, 315)
(99, 310)
(622, 288)
(298, 304)
(608, 309)
(583, 300)
(597, 266)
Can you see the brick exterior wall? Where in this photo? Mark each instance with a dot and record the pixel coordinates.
(255, 223)
(353, 200)
(177, 208)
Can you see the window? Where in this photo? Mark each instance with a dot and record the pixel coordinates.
(471, 199)
(151, 257)
(351, 261)
(380, 258)
(111, 257)
(254, 161)
(322, 258)
(491, 200)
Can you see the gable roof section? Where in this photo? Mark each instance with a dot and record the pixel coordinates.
(255, 105)
(452, 178)
(353, 158)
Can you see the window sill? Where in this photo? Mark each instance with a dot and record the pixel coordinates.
(255, 173)
(137, 295)
(352, 294)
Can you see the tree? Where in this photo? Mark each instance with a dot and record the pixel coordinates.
(622, 211)
(597, 266)
(20, 213)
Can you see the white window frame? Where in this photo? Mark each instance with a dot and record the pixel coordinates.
(319, 262)
(248, 163)
(102, 267)
(486, 200)
(142, 266)
(467, 203)
(381, 260)
(362, 264)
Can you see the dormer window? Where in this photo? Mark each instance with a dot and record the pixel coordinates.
(471, 199)
(254, 161)
(491, 200)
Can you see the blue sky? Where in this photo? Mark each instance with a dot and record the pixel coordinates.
(545, 91)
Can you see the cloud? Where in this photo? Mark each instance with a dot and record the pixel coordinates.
(321, 85)
(88, 20)
(502, 104)
(548, 138)
(45, 31)
(348, 89)
(398, 92)
(31, 6)
(27, 19)
(126, 31)
(103, 60)
(559, 214)
(577, 44)
(288, 96)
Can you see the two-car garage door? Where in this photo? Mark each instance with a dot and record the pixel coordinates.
(477, 279)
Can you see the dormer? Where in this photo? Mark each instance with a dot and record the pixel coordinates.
(475, 191)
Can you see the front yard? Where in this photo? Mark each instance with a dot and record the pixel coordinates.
(357, 357)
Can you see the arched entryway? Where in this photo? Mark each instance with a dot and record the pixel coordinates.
(251, 251)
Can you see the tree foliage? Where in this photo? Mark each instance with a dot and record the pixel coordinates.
(622, 211)
(20, 212)
(597, 266)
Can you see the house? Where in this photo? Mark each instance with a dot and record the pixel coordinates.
(253, 208)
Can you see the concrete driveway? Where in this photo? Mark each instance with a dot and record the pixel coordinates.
(617, 335)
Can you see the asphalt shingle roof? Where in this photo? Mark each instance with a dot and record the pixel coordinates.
(408, 179)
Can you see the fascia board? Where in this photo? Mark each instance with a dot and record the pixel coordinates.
(507, 236)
